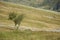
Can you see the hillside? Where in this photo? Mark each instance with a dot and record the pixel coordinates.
(29, 35)
(39, 18)
(34, 3)
(45, 4)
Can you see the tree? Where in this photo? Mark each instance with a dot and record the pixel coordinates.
(12, 16)
(16, 19)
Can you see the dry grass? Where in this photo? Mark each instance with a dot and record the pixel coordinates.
(40, 18)
(33, 18)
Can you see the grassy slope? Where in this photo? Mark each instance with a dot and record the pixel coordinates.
(28, 35)
(33, 17)
(31, 14)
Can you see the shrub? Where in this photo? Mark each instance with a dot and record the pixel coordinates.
(16, 19)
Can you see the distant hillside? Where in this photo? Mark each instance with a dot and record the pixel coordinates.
(33, 17)
(46, 4)
(34, 3)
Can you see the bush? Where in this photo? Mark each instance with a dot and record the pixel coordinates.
(16, 19)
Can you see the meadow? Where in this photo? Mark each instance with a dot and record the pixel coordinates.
(7, 34)
(34, 17)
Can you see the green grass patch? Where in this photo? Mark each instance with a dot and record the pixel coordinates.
(29, 35)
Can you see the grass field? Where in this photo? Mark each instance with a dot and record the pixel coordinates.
(33, 17)
(39, 18)
(28, 35)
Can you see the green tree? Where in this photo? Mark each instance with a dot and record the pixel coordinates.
(16, 19)
(12, 16)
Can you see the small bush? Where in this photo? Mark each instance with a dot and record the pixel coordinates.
(16, 19)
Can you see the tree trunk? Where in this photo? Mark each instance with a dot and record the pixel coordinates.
(17, 27)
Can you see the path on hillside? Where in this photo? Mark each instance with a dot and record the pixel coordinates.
(29, 28)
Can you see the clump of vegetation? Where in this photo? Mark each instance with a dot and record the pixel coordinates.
(17, 19)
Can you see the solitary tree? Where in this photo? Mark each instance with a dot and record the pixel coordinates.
(16, 19)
